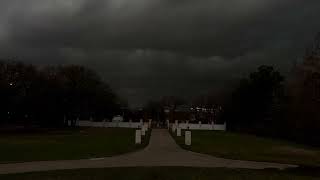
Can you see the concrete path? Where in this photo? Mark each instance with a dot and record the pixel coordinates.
(161, 151)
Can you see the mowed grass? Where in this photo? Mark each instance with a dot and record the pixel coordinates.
(248, 147)
(65, 145)
(162, 173)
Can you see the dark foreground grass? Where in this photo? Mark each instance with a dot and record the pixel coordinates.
(161, 173)
(247, 147)
(65, 145)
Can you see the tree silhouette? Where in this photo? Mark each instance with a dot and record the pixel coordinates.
(50, 95)
(251, 106)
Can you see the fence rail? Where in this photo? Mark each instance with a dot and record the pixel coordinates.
(193, 126)
(110, 124)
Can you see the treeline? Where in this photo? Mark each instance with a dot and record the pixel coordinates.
(266, 104)
(49, 96)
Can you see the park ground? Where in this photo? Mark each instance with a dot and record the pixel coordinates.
(161, 173)
(249, 147)
(98, 142)
(67, 144)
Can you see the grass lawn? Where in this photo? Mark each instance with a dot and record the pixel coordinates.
(161, 173)
(69, 144)
(248, 147)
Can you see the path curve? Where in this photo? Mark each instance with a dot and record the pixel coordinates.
(161, 151)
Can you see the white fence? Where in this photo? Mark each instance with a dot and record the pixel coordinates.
(191, 126)
(111, 124)
(199, 126)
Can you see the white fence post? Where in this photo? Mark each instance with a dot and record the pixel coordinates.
(150, 121)
(143, 131)
(138, 137)
(145, 125)
(178, 132)
(173, 128)
(77, 122)
(138, 125)
(188, 138)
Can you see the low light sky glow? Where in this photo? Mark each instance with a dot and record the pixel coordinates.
(146, 49)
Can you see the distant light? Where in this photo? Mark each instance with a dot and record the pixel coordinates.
(11, 84)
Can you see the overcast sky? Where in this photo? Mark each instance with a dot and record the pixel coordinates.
(146, 49)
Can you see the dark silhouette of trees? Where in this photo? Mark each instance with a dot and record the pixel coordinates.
(154, 110)
(172, 101)
(304, 93)
(252, 105)
(49, 96)
(18, 82)
(86, 94)
(264, 105)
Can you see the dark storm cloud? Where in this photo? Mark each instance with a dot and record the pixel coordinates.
(150, 48)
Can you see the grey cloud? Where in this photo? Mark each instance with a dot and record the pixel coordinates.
(149, 48)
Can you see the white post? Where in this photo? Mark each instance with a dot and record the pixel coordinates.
(150, 120)
(138, 137)
(145, 126)
(77, 123)
(173, 128)
(143, 131)
(199, 124)
(141, 122)
(188, 138)
(178, 132)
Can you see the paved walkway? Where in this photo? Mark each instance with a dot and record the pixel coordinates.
(161, 151)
